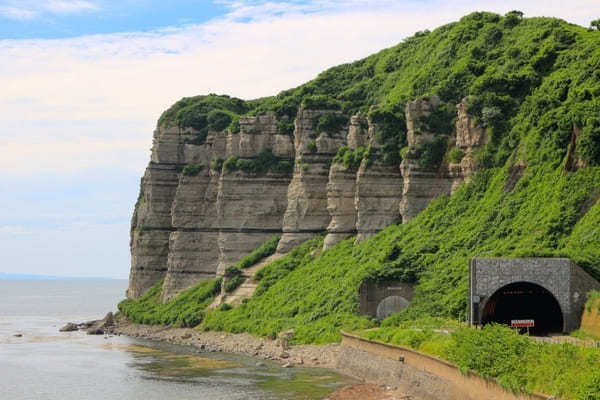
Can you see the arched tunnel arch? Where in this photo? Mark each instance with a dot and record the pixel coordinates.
(525, 300)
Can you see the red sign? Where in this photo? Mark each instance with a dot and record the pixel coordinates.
(522, 323)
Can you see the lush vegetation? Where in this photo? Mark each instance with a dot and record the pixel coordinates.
(515, 361)
(352, 158)
(264, 162)
(185, 310)
(192, 169)
(260, 253)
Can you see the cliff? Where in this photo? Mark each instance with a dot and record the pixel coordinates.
(205, 205)
(481, 136)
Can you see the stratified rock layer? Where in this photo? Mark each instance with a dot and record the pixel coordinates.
(191, 226)
(306, 212)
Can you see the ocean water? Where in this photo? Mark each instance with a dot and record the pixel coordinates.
(46, 364)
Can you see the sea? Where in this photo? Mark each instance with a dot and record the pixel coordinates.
(39, 362)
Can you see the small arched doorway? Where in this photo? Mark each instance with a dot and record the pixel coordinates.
(524, 300)
(391, 305)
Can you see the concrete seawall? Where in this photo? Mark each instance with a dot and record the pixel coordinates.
(417, 374)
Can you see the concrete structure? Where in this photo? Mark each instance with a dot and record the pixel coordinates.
(417, 375)
(384, 298)
(550, 291)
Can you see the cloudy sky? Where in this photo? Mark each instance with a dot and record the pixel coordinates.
(83, 82)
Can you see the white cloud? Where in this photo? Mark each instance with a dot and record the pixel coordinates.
(92, 101)
(19, 14)
(69, 6)
(14, 230)
(24, 10)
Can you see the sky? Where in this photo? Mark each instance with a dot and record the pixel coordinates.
(84, 81)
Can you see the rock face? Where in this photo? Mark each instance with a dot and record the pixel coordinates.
(378, 193)
(306, 213)
(362, 202)
(422, 184)
(189, 226)
(469, 137)
(151, 222)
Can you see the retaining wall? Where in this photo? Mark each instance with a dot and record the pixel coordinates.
(417, 374)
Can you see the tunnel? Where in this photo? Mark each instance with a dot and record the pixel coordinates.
(524, 301)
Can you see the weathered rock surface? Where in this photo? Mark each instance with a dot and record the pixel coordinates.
(188, 228)
(421, 184)
(193, 254)
(103, 326)
(378, 193)
(306, 212)
(341, 192)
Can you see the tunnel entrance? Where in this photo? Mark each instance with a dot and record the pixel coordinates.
(525, 301)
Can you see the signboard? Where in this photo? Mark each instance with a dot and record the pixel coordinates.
(522, 323)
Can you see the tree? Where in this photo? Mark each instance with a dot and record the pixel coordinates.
(595, 24)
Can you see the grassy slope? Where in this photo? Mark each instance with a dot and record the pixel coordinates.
(532, 81)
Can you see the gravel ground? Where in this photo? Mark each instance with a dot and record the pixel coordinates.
(321, 356)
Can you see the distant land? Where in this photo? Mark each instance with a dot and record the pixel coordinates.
(19, 277)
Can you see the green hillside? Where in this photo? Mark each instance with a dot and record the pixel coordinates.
(535, 85)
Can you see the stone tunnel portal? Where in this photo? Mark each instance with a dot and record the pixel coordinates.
(524, 301)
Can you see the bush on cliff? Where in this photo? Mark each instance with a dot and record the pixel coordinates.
(264, 162)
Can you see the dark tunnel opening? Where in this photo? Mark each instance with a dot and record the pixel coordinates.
(525, 301)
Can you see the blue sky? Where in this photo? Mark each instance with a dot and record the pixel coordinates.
(84, 81)
(28, 19)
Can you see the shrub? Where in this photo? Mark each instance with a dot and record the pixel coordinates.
(589, 143)
(192, 169)
(320, 102)
(232, 271)
(264, 162)
(330, 123)
(199, 139)
(430, 154)
(285, 126)
(185, 310)
(218, 120)
(263, 251)
(351, 158)
(312, 146)
(217, 165)
(455, 155)
(233, 283)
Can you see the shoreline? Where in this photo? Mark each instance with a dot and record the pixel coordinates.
(307, 355)
(324, 356)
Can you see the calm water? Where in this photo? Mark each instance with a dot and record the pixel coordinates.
(46, 364)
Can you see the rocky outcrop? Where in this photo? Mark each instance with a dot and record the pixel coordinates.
(151, 222)
(469, 137)
(190, 226)
(362, 202)
(422, 184)
(341, 192)
(378, 192)
(193, 254)
(306, 212)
